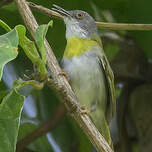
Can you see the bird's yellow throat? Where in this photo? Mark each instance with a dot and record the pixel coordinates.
(77, 46)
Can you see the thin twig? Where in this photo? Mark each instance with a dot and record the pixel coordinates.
(124, 26)
(102, 25)
(45, 10)
(50, 124)
(65, 91)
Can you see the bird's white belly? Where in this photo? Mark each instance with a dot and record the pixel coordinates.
(87, 79)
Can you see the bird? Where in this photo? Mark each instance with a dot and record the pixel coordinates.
(86, 64)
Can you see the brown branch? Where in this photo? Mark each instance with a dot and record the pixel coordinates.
(103, 25)
(45, 10)
(66, 92)
(50, 124)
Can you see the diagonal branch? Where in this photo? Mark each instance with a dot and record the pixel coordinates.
(50, 124)
(103, 25)
(64, 90)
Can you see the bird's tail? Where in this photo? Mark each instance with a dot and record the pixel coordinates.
(103, 127)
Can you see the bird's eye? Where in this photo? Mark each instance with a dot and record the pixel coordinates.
(80, 15)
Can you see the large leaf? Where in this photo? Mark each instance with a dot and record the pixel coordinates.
(8, 48)
(27, 45)
(10, 111)
(30, 49)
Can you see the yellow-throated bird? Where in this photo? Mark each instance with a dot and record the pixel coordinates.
(87, 66)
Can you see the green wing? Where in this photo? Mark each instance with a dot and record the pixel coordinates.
(111, 104)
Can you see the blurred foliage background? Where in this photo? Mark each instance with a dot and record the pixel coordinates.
(130, 55)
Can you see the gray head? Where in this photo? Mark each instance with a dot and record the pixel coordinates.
(78, 23)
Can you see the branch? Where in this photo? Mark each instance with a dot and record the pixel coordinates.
(124, 26)
(66, 92)
(103, 25)
(50, 124)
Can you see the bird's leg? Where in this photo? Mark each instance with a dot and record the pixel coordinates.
(63, 73)
(84, 110)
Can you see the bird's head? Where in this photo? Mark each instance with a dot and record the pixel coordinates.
(78, 23)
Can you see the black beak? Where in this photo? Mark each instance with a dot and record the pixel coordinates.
(61, 11)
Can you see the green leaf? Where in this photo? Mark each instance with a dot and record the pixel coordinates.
(27, 45)
(8, 48)
(30, 49)
(39, 145)
(39, 39)
(5, 26)
(10, 112)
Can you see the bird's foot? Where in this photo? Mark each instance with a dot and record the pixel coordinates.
(84, 110)
(63, 73)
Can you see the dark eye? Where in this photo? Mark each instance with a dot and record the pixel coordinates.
(80, 15)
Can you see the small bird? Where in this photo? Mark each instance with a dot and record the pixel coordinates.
(90, 74)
